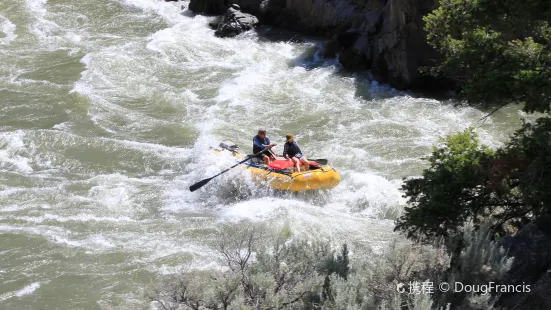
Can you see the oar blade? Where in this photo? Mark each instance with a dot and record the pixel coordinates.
(199, 184)
(202, 183)
(320, 161)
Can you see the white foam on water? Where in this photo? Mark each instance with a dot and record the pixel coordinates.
(258, 210)
(8, 29)
(61, 126)
(51, 29)
(51, 233)
(305, 219)
(78, 218)
(14, 155)
(100, 242)
(41, 27)
(10, 208)
(238, 88)
(115, 74)
(168, 10)
(365, 193)
(26, 290)
(64, 237)
(17, 80)
(115, 197)
(64, 139)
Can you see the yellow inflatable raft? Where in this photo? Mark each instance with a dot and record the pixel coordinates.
(281, 175)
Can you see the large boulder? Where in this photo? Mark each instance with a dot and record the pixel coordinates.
(235, 22)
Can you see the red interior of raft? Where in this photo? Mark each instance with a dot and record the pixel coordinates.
(282, 164)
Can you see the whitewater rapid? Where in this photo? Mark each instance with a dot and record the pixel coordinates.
(108, 113)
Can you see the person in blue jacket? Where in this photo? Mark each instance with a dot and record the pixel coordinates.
(291, 151)
(261, 142)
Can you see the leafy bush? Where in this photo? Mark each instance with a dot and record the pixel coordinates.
(497, 51)
(466, 181)
(449, 193)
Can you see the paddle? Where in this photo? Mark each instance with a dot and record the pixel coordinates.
(273, 154)
(320, 161)
(202, 183)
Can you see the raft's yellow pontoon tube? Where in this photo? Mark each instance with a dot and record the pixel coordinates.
(281, 174)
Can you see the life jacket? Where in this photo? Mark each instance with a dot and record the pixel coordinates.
(292, 149)
(257, 149)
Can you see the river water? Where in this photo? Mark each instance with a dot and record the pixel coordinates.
(108, 110)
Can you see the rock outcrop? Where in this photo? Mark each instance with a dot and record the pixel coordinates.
(385, 36)
(235, 22)
(531, 249)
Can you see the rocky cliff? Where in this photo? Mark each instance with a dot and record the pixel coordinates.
(385, 36)
(531, 249)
